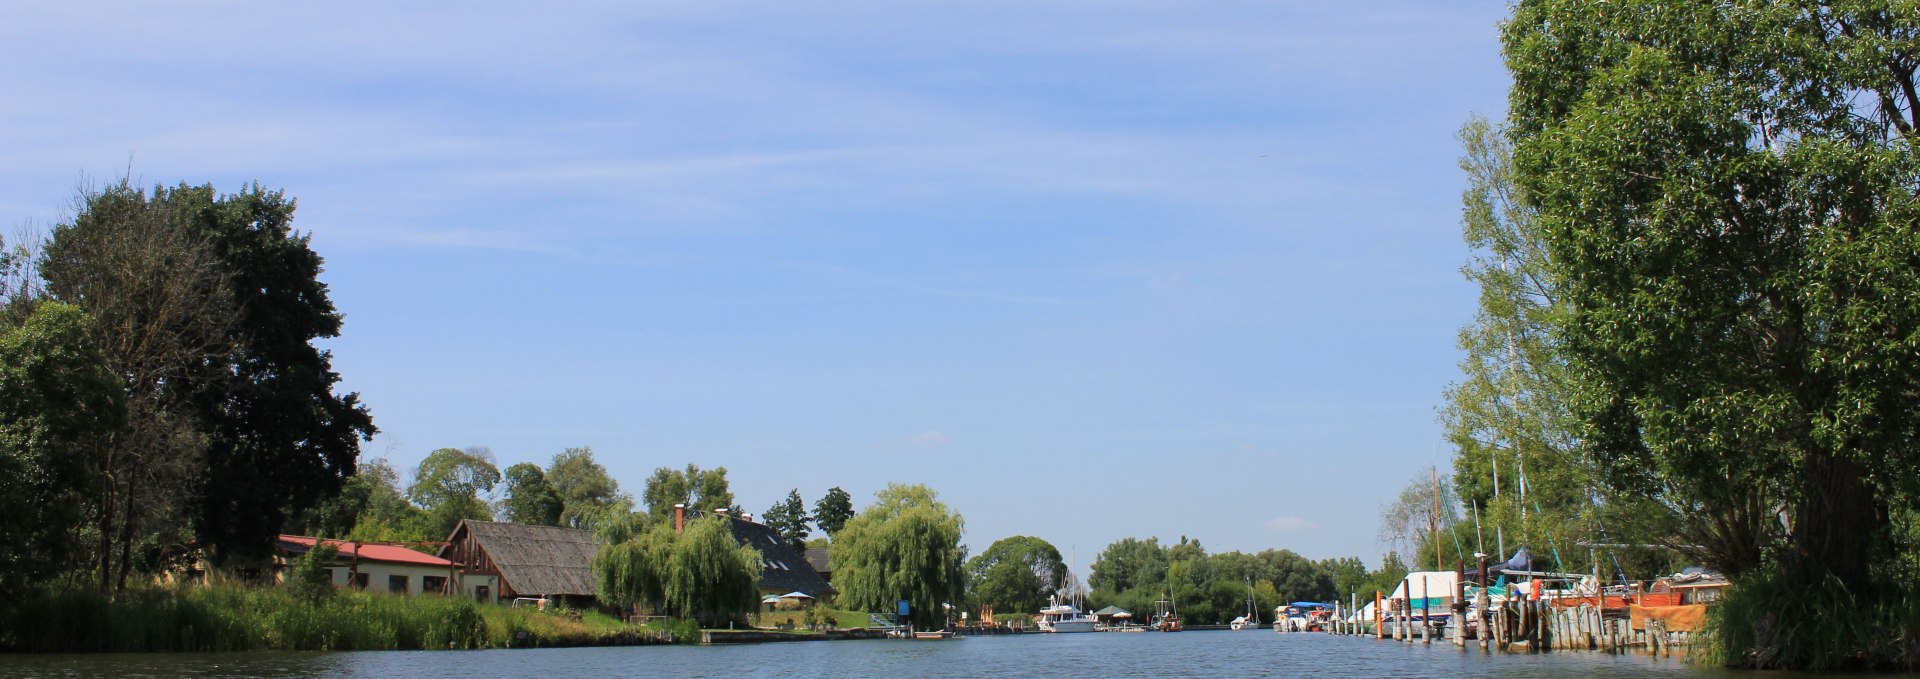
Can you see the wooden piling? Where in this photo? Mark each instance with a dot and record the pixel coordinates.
(1379, 618)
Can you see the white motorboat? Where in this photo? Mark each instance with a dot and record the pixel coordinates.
(1060, 617)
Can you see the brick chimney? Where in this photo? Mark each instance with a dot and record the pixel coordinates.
(679, 517)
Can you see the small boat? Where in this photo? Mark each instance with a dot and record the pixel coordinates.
(1302, 616)
(1062, 618)
(1251, 620)
(1165, 618)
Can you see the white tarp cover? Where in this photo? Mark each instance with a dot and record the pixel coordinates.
(1427, 585)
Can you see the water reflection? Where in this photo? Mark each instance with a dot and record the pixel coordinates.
(1183, 655)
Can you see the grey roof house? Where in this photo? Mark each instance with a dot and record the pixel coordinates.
(530, 561)
(782, 569)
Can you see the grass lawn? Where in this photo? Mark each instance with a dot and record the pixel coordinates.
(798, 619)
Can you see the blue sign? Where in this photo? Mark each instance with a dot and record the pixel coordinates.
(904, 607)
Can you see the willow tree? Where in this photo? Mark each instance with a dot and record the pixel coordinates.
(906, 545)
(1726, 192)
(701, 572)
(712, 576)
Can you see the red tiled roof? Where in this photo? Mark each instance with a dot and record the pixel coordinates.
(368, 551)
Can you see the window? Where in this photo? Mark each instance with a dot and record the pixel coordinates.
(397, 584)
(359, 581)
(480, 593)
(433, 584)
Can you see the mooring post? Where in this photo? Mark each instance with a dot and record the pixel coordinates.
(1379, 617)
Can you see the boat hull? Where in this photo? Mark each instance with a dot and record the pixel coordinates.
(1067, 626)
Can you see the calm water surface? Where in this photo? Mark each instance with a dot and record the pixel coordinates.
(1188, 654)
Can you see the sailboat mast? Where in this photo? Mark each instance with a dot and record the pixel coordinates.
(1433, 519)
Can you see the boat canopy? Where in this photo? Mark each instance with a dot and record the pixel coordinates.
(1426, 584)
(1310, 604)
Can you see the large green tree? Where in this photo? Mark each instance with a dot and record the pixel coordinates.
(449, 484)
(789, 518)
(1510, 416)
(208, 305)
(833, 510)
(584, 487)
(701, 490)
(1725, 192)
(530, 499)
(162, 316)
(906, 545)
(280, 438)
(1016, 575)
(58, 405)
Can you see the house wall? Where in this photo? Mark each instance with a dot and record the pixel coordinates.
(470, 584)
(462, 547)
(379, 576)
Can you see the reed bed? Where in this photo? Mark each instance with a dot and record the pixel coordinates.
(1767, 622)
(239, 618)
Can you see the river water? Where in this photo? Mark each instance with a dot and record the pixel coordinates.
(1187, 654)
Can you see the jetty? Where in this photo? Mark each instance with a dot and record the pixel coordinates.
(1527, 617)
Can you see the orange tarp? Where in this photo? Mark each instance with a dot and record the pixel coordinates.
(1574, 601)
(1676, 618)
(1660, 599)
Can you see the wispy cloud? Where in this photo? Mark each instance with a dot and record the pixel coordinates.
(1289, 523)
(928, 438)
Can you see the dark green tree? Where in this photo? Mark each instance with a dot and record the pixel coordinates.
(280, 438)
(789, 518)
(833, 510)
(530, 500)
(1016, 574)
(58, 405)
(448, 486)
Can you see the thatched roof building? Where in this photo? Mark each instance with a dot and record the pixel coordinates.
(782, 569)
(530, 561)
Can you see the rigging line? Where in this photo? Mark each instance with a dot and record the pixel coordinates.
(1618, 571)
(1550, 545)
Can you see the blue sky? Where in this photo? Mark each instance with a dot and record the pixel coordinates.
(1092, 270)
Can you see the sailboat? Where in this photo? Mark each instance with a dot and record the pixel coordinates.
(1252, 618)
(1166, 618)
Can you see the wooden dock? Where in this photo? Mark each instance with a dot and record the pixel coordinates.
(1536, 626)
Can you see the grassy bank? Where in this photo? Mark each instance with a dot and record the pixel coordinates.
(237, 618)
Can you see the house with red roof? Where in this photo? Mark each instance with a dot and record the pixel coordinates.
(379, 567)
